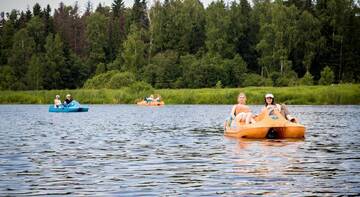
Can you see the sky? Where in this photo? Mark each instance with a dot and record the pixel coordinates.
(8, 5)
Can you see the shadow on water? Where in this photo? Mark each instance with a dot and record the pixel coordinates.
(179, 150)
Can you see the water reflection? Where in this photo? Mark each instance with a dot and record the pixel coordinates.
(173, 151)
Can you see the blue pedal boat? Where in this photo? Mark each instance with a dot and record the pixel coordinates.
(74, 106)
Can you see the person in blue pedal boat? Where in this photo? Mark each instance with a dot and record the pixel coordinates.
(68, 100)
(57, 101)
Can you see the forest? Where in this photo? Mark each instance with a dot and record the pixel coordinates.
(181, 44)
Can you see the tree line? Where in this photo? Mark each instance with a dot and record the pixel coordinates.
(182, 44)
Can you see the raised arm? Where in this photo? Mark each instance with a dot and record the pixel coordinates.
(232, 114)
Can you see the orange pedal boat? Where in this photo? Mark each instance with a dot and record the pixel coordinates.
(153, 103)
(273, 126)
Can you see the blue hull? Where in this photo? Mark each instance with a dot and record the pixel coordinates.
(69, 109)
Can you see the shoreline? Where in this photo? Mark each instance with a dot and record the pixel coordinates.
(343, 94)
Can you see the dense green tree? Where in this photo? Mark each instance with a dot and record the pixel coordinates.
(307, 79)
(163, 70)
(96, 33)
(55, 62)
(241, 31)
(22, 49)
(177, 25)
(134, 51)
(235, 70)
(217, 24)
(117, 33)
(181, 44)
(277, 37)
(37, 10)
(266, 36)
(36, 30)
(327, 76)
(8, 78)
(139, 14)
(7, 32)
(35, 73)
(336, 17)
(48, 20)
(71, 28)
(308, 38)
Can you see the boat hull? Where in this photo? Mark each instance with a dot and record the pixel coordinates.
(154, 103)
(274, 126)
(69, 109)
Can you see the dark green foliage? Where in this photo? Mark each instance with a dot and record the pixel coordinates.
(133, 52)
(218, 23)
(35, 73)
(36, 30)
(181, 44)
(120, 80)
(100, 81)
(307, 79)
(112, 79)
(163, 70)
(54, 63)
(96, 33)
(256, 80)
(327, 76)
(140, 86)
(8, 78)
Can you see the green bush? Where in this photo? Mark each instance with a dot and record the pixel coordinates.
(112, 79)
(307, 79)
(120, 80)
(99, 81)
(218, 85)
(100, 68)
(140, 86)
(256, 80)
(286, 79)
(327, 76)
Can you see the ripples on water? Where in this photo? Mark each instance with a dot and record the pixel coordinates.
(180, 150)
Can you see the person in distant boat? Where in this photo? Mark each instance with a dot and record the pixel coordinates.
(270, 105)
(149, 99)
(68, 99)
(57, 101)
(158, 98)
(241, 112)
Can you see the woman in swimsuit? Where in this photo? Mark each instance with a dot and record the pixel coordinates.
(241, 112)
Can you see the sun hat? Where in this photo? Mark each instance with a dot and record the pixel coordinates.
(269, 95)
(57, 96)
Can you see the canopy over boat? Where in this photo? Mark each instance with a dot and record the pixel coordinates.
(267, 126)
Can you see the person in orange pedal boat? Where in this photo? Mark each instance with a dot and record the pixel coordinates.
(241, 112)
(270, 105)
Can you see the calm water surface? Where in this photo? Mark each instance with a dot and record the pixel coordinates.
(128, 150)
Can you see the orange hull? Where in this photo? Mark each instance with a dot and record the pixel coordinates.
(154, 103)
(275, 126)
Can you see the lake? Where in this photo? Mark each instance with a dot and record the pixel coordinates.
(175, 150)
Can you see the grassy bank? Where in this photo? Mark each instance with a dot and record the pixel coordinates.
(304, 95)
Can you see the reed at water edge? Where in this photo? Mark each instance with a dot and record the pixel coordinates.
(343, 94)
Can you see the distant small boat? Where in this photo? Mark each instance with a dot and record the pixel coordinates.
(74, 106)
(153, 103)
